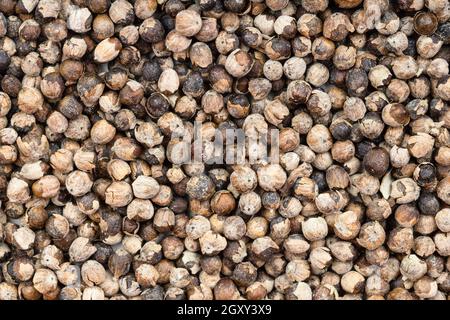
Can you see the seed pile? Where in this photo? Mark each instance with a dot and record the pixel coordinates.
(96, 97)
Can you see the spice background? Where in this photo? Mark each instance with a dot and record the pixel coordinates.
(96, 97)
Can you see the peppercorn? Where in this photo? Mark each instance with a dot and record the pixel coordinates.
(4, 60)
(314, 229)
(425, 23)
(356, 81)
(336, 26)
(376, 162)
(156, 105)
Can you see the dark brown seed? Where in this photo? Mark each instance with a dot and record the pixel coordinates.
(376, 162)
(156, 105)
(356, 81)
(4, 61)
(151, 70)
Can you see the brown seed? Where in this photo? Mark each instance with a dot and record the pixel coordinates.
(425, 23)
(188, 23)
(376, 162)
(118, 194)
(46, 187)
(225, 289)
(371, 236)
(44, 280)
(223, 203)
